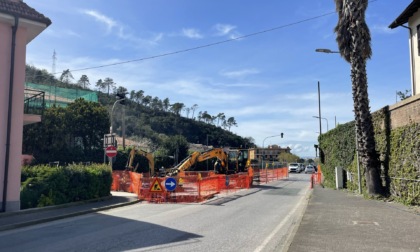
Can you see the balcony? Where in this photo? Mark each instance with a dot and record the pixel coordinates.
(34, 106)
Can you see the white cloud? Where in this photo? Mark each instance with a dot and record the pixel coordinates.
(123, 32)
(191, 33)
(109, 22)
(62, 33)
(223, 29)
(240, 73)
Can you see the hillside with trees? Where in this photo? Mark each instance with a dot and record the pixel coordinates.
(150, 120)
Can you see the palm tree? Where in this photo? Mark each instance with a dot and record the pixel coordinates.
(353, 38)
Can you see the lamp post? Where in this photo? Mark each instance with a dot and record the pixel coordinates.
(357, 148)
(319, 108)
(112, 111)
(325, 50)
(322, 118)
(262, 160)
(121, 100)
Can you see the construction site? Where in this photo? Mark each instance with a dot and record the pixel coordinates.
(233, 170)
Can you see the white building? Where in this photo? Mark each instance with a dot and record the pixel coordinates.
(411, 16)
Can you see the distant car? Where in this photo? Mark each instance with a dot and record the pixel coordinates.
(294, 167)
(310, 169)
(302, 167)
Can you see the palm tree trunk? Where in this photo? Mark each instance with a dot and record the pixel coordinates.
(365, 132)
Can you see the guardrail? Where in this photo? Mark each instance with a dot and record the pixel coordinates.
(34, 102)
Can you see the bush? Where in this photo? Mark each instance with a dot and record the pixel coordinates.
(44, 186)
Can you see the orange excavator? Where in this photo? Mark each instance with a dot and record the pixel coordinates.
(147, 155)
(228, 161)
(197, 157)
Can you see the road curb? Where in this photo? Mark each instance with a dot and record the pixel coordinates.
(63, 216)
(302, 210)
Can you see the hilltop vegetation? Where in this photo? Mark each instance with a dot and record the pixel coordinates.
(151, 121)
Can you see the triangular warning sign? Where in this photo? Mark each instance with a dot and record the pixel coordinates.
(156, 187)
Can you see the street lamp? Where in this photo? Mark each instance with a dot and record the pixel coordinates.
(322, 118)
(325, 50)
(319, 108)
(262, 160)
(120, 99)
(112, 111)
(357, 148)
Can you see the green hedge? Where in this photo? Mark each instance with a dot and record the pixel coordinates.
(45, 186)
(399, 152)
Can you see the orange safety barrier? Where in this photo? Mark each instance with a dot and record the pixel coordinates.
(269, 175)
(124, 180)
(316, 178)
(191, 186)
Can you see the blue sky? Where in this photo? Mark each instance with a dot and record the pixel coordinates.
(267, 82)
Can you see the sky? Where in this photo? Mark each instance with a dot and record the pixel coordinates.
(251, 60)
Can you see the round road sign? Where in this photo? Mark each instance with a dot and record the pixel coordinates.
(170, 184)
(111, 151)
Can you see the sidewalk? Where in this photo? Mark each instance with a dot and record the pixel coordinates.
(339, 221)
(11, 220)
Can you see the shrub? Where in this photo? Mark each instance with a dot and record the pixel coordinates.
(44, 186)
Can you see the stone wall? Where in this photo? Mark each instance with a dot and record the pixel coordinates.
(405, 112)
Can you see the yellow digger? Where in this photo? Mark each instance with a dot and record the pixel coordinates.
(147, 155)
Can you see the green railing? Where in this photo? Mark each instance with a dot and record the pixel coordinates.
(34, 102)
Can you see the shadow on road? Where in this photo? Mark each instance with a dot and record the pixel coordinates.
(101, 232)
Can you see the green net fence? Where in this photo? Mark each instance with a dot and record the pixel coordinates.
(62, 96)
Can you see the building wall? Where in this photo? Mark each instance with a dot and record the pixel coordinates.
(14, 167)
(270, 153)
(413, 22)
(405, 112)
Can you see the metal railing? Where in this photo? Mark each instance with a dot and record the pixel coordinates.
(34, 102)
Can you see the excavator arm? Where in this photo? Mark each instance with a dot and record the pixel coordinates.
(197, 157)
(147, 155)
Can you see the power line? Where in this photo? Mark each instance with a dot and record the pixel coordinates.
(211, 44)
(208, 45)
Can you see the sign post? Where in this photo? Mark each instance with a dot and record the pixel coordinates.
(111, 151)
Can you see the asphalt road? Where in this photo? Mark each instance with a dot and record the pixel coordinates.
(260, 219)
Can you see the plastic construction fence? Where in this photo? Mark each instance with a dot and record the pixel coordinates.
(62, 96)
(189, 187)
(316, 178)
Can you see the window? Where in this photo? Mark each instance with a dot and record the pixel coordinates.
(418, 40)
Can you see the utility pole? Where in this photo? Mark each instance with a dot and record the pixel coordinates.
(54, 57)
(123, 127)
(319, 108)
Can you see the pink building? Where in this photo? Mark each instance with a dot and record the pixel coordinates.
(19, 25)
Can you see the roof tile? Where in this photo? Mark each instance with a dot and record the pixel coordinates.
(21, 9)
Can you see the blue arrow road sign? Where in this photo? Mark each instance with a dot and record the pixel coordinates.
(170, 184)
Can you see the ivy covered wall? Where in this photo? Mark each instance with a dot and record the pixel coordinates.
(398, 148)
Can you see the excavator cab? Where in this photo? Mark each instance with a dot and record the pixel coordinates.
(238, 160)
